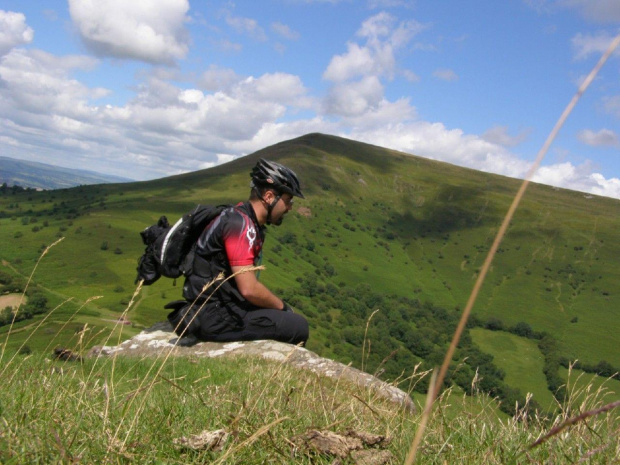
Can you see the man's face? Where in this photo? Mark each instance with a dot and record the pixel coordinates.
(281, 208)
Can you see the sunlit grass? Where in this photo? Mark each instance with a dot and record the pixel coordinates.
(105, 410)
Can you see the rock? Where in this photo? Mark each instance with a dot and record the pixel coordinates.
(372, 457)
(66, 355)
(352, 443)
(160, 337)
(327, 443)
(206, 440)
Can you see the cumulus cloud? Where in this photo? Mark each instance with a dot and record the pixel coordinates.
(357, 61)
(13, 31)
(284, 31)
(216, 78)
(410, 76)
(168, 128)
(445, 74)
(285, 88)
(38, 83)
(246, 26)
(601, 138)
(434, 140)
(499, 135)
(585, 45)
(357, 91)
(354, 98)
(602, 186)
(383, 35)
(378, 4)
(581, 178)
(163, 130)
(612, 105)
(151, 30)
(600, 11)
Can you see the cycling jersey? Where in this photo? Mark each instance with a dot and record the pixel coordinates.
(234, 238)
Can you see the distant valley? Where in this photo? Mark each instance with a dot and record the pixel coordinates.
(35, 175)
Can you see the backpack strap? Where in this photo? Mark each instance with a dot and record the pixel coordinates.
(208, 270)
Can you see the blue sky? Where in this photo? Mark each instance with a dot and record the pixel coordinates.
(147, 89)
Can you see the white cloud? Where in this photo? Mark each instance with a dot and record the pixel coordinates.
(410, 76)
(247, 26)
(580, 178)
(216, 78)
(601, 11)
(381, 114)
(606, 187)
(164, 129)
(354, 98)
(379, 4)
(612, 105)
(13, 31)
(434, 140)
(445, 74)
(285, 31)
(37, 83)
(358, 61)
(383, 36)
(277, 87)
(602, 138)
(167, 128)
(150, 30)
(499, 135)
(585, 45)
(226, 45)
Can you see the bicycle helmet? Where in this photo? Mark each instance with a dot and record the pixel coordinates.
(277, 177)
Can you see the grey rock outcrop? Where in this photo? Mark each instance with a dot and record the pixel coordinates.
(152, 341)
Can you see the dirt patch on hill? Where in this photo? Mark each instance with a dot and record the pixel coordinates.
(304, 211)
(11, 300)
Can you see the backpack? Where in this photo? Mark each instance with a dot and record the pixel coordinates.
(170, 249)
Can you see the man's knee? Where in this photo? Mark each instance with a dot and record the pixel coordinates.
(298, 328)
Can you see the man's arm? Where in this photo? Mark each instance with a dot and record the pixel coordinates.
(254, 291)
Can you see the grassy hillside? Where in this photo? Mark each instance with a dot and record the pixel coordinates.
(147, 410)
(379, 230)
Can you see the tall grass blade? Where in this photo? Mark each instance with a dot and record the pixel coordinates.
(502, 230)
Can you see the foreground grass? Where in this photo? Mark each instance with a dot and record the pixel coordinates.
(124, 410)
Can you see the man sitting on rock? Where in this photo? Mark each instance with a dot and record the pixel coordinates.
(240, 308)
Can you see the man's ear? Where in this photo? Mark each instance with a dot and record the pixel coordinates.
(269, 196)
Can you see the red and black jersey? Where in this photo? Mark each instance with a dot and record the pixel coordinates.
(234, 238)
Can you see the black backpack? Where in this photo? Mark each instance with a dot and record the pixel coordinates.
(170, 249)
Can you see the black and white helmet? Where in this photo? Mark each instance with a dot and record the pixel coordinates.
(275, 176)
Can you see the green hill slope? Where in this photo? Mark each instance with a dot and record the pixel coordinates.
(379, 230)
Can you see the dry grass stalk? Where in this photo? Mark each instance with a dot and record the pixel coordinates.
(221, 280)
(8, 334)
(571, 421)
(435, 387)
(366, 342)
(261, 431)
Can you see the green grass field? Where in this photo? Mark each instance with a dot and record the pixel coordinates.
(522, 361)
(127, 410)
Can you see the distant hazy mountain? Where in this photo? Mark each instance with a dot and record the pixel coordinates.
(43, 176)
